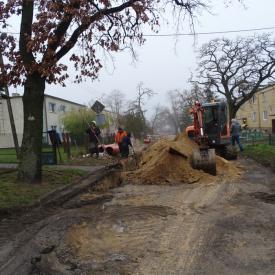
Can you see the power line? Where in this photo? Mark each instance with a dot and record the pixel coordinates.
(190, 34)
(213, 32)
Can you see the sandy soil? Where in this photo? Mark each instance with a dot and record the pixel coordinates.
(224, 227)
(158, 165)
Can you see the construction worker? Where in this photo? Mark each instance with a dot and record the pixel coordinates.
(94, 135)
(124, 147)
(118, 138)
(235, 133)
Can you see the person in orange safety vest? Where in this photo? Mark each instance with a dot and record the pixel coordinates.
(119, 137)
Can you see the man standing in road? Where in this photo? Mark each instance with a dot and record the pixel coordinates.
(125, 143)
(235, 133)
(94, 134)
(119, 137)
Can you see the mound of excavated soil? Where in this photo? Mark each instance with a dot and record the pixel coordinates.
(159, 166)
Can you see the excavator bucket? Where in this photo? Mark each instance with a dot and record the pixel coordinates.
(204, 159)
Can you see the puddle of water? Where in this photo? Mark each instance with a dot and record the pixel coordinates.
(265, 197)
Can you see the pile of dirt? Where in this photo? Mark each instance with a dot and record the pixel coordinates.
(159, 165)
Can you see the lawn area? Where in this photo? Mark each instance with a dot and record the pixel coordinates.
(8, 155)
(15, 195)
(263, 153)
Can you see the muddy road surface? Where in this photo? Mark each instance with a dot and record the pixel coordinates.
(219, 228)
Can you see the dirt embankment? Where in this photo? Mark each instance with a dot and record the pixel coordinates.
(159, 166)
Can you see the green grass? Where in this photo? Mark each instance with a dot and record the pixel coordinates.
(14, 194)
(263, 153)
(9, 156)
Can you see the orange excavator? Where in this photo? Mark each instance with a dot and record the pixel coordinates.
(211, 131)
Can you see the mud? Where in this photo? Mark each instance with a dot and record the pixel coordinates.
(265, 197)
(153, 229)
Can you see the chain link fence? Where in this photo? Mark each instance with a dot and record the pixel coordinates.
(253, 137)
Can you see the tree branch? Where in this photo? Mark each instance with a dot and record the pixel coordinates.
(26, 33)
(78, 31)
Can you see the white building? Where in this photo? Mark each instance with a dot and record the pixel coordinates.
(53, 110)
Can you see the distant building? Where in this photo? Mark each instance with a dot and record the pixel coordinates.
(259, 112)
(53, 110)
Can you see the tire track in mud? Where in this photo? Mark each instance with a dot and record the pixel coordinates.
(21, 231)
(181, 229)
(188, 236)
(14, 224)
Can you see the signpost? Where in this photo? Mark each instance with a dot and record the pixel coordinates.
(98, 107)
(100, 119)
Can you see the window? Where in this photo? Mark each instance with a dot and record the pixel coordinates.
(210, 114)
(52, 107)
(264, 115)
(253, 116)
(62, 108)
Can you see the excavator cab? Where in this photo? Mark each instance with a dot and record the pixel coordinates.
(211, 132)
(216, 124)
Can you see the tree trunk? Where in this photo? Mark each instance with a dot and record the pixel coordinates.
(232, 108)
(30, 154)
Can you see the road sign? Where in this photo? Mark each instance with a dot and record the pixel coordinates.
(100, 119)
(98, 107)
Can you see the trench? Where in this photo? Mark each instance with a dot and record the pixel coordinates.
(19, 229)
(89, 231)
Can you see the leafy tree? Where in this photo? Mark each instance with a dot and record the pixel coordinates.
(50, 30)
(76, 122)
(236, 69)
(134, 124)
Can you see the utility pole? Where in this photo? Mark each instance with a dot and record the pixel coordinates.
(7, 97)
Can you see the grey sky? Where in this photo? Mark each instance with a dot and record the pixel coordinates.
(165, 63)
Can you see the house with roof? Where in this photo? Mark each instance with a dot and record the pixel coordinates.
(259, 111)
(53, 110)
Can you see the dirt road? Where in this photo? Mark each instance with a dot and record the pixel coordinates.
(220, 228)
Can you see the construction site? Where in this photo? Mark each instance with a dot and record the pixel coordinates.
(152, 214)
(137, 137)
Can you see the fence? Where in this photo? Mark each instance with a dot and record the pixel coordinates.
(257, 137)
(79, 145)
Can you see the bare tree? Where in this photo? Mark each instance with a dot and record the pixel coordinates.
(236, 69)
(155, 117)
(180, 103)
(138, 104)
(158, 118)
(115, 102)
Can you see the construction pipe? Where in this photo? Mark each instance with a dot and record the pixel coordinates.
(112, 149)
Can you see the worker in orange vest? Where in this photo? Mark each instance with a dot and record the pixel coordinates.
(119, 137)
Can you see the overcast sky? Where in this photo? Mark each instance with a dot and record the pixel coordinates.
(165, 63)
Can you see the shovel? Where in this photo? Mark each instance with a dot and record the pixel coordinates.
(135, 156)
